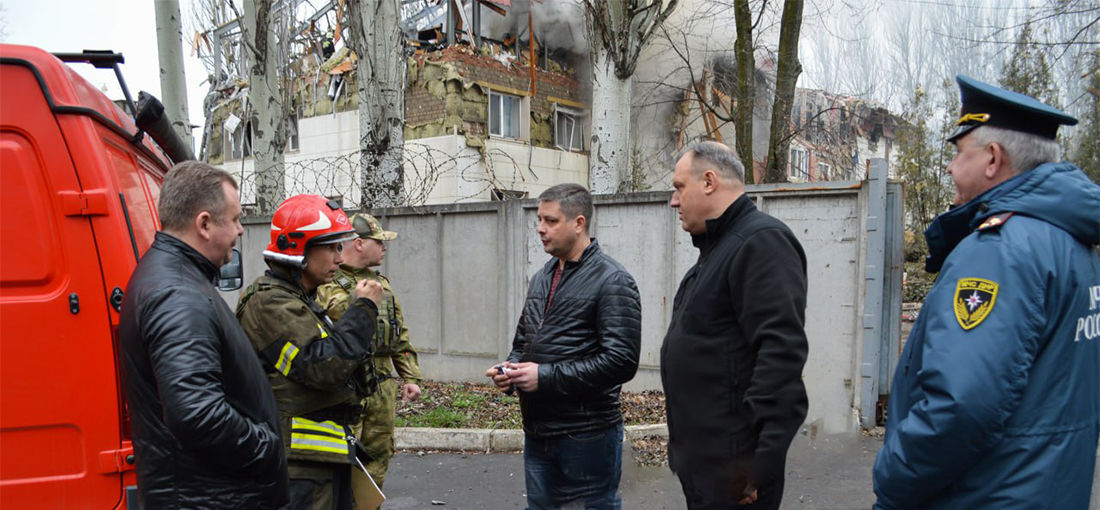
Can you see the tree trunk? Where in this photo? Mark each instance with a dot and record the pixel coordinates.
(609, 158)
(785, 80)
(746, 85)
(375, 37)
(618, 31)
(267, 105)
(173, 86)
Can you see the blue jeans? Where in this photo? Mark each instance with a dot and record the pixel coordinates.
(574, 469)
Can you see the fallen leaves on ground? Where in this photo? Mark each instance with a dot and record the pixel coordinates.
(483, 406)
(650, 451)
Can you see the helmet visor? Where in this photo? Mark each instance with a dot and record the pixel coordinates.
(334, 237)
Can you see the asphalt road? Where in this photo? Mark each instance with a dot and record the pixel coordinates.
(826, 473)
(823, 473)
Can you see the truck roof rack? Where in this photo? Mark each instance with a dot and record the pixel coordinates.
(103, 59)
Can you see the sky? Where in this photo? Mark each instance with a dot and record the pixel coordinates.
(123, 26)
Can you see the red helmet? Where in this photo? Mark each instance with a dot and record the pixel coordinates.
(305, 220)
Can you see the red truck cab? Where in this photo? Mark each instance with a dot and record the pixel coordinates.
(78, 196)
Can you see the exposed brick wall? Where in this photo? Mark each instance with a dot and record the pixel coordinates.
(421, 106)
(546, 84)
(452, 73)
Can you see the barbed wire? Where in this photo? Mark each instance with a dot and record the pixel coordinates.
(341, 176)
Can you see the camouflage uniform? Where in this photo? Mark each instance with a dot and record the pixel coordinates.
(316, 370)
(392, 350)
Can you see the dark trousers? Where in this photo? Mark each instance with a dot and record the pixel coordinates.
(706, 490)
(320, 486)
(579, 470)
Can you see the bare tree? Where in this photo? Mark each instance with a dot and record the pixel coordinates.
(1087, 155)
(618, 30)
(745, 87)
(265, 96)
(786, 78)
(375, 37)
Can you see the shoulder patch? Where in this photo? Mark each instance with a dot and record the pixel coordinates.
(974, 300)
(994, 221)
(344, 281)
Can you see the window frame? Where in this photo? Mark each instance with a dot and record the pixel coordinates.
(801, 171)
(293, 139)
(518, 120)
(236, 146)
(577, 117)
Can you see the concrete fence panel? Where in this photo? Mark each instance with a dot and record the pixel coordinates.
(461, 273)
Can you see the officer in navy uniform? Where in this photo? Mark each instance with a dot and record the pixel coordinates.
(996, 398)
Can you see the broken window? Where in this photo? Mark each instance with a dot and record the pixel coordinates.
(567, 129)
(824, 171)
(504, 115)
(796, 169)
(292, 142)
(239, 141)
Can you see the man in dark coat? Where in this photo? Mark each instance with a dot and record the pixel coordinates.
(731, 362)
(577, 342)
(206, 429)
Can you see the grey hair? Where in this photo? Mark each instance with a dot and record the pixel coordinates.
(190, 188)
(573, 199)
(1024, 150)
(722, 157)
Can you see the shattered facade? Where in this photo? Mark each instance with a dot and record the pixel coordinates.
(482, 121)
(493, 114)
(449, 91)
(834, 136)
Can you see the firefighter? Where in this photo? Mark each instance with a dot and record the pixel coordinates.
(392, 349)
(314, 365)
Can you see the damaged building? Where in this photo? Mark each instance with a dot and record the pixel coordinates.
(833, 136)
(492, 113)
(485, 118)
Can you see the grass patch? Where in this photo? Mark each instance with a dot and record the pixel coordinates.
(483, 406)
(438, 417)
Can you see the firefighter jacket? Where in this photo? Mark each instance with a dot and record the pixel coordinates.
(996, 398)
(206, 427)
(311, 362)
(392, 349)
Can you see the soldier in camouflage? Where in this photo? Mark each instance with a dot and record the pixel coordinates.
(315, 365)
(392, 349)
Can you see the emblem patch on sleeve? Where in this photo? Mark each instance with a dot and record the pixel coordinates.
(974, 298)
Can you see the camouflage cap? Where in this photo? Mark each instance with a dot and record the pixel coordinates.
(368, 228)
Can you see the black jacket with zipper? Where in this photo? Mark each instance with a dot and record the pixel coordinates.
(586, 343)
(206, 429)
(731, 362)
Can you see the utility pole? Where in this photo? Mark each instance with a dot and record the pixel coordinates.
(173, 88)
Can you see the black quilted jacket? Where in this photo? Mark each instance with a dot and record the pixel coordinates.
(586, 344)
(206, 430)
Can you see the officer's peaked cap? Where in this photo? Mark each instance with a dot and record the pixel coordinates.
(986, 105)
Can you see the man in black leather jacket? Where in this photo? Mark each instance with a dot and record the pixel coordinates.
(206, 429)
(577, 342)
(731, 362)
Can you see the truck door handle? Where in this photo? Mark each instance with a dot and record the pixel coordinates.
(116, 299)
